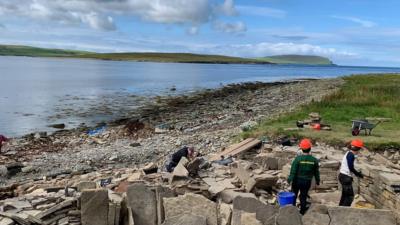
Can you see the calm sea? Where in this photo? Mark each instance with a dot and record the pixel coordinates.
(36, 92)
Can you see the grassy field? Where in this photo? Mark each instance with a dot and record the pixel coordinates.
(173, 57)
(361, 96)
(297, 59)
(16, 50)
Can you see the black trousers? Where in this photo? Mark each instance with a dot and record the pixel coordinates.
(171, 166)
(347, 190)
(302, 186)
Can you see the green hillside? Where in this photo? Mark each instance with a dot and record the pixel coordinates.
(173, 57)
(297, 59)
(16, 50)
(19, 50)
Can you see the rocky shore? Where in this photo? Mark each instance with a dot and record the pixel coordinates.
(208, 120)
(111, 175)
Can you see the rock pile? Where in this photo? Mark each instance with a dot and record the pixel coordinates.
(42, 207)
(241, 193)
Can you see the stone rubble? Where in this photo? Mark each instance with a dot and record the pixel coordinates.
(241, 193)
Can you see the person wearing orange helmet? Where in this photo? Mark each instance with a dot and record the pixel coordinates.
(304, 168)
(346, 171)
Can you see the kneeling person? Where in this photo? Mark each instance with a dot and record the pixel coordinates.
(187, 152)
(304, 168)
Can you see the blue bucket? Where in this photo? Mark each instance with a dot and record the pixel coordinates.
(285, 198)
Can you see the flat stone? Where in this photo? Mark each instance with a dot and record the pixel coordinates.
(161, 193)
(330, 164)
(180, 171)
(218, 186)
(65, 204)
(317, 215)
(261, 181)
(194, 165)
(329, 198)
(390, 178)
(143, 203)
(264, 213)
(267, 161)
(63, 221)
(353, 216)
(6, 221)
(191, 204)
(289, 215)
(134, 177)
(227, 196)
(84, 185)
(15, 204)
(240, 169)
(186, 219)
(94, 207)
(249, 219)
(224, 214)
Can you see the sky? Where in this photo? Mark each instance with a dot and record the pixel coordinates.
(349, 32)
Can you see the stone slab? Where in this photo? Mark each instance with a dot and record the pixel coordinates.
(191, 204)
(264, 213)
(249, 219)
(186, 219)
(289, 215)
(224, 214)
(317, 215)
(94, 207)
(390, 178)
(84, 185)
(353, 216)
(143, 203)
(227, 196)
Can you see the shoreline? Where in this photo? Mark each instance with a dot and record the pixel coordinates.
(151, 103)
(208, 120)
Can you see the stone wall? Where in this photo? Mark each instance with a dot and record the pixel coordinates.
(381, 187)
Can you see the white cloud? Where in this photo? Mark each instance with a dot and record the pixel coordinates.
(261, 11)
(228, 8)
(234, 28)
(193, 30)
(99, 14)
(363, 23)
(267, 49)
(99, 22)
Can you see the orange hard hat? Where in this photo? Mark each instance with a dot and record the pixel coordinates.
(317, 126)
(357, 143)
(305, 144)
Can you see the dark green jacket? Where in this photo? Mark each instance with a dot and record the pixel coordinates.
(304, 167)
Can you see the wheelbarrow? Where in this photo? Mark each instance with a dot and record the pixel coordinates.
(359, 125)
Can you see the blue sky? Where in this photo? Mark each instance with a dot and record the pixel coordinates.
(350, 32)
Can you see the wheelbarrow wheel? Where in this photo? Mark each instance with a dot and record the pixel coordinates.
(355, 132)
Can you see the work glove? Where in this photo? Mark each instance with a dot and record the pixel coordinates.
(361, 175)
